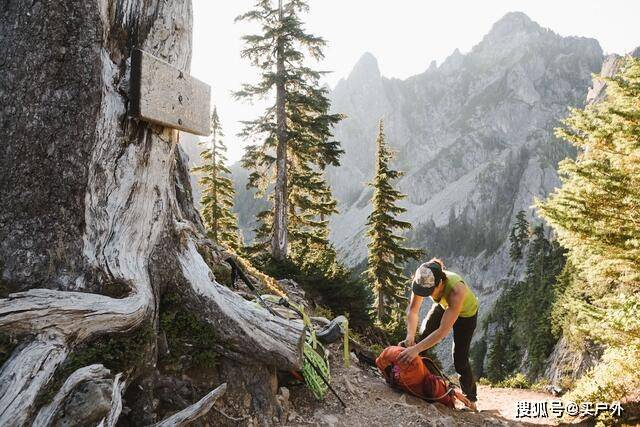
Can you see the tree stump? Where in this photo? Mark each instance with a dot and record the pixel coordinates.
(97, 222)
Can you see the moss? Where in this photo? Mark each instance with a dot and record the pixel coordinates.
(187, 335)
(116, 289)
(118, 352)
(7, 344)
(4, 290)
(4, 287)
(221, 271)
(222, 274)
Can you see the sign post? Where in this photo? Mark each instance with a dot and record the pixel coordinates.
(164, 95)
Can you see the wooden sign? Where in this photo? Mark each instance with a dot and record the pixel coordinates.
(162, 94)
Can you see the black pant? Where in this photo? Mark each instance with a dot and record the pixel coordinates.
(462, 333)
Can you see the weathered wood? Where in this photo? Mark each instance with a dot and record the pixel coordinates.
(195, 411)
(47, 413)
(165, 95)
(249, 331)
(72, 314)
(116, 403)
(25, 373)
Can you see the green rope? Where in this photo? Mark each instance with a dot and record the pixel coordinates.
(311, 378)
(345, 345)
(314, 353)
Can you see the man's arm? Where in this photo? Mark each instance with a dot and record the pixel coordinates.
(446, 323)
(413, 315)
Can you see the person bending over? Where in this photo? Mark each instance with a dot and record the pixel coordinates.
(455, 307)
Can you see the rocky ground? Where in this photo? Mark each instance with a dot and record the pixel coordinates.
(370, 402)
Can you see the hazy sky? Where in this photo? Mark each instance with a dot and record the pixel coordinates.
(404, 35)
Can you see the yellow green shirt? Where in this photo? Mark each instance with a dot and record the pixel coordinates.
(470, 303)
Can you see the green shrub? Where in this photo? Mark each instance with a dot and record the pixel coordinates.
(339, 292)
(484, 381)
(518, 380)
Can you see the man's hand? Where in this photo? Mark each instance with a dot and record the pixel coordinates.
(408, 355)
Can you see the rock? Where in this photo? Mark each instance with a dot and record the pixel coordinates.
(247, 401)
(349, 387)
(329, 420)
(87, 405)
(403, 399)
(284, 394)
(446, 421)
(564, 363)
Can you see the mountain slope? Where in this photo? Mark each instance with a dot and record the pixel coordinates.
(478, 123)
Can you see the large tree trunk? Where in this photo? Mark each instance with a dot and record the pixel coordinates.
(97, 221)
(279, 238)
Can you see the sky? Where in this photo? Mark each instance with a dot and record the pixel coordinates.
(404, 36)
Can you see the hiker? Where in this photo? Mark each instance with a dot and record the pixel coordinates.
(455, 306)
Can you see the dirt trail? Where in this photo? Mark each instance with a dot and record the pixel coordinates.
(370, 402)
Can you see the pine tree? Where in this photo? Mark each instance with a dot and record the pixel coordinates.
(298, 143)
(387, 256)
(522, 316)
(596, 215)
(217, 189)
(519, 236)
(596, 212)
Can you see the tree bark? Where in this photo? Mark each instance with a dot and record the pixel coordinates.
(380, 306)
(94, 200)
(279, 238)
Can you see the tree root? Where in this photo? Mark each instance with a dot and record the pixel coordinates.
(195, 411)
(47, 413)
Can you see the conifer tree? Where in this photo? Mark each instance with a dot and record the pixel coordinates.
(519, 235)
(522, 317)
(596, 215)
(296, 130)
(596, 210)
(387, 256)
(217, 189)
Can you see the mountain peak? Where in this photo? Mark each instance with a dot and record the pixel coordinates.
(453, 61)
(367, 66)
(513, 22)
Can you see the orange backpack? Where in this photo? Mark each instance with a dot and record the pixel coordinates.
(415, 377)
